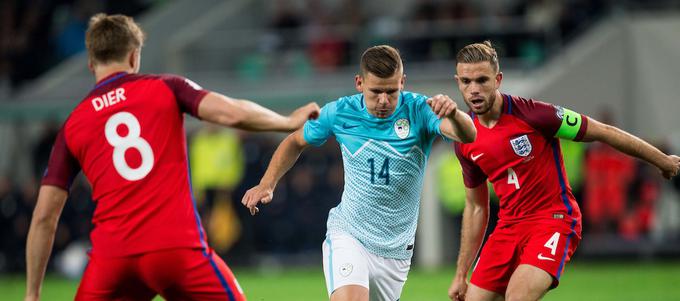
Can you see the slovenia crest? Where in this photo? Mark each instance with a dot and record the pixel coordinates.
(521, 145)
(346, 269)
(402, 128)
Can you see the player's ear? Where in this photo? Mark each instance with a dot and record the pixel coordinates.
(403, 81)
(131, 59)
(499, 78)
(134, 59)
(358, 83)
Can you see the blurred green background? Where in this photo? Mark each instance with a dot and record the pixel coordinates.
(582, 281)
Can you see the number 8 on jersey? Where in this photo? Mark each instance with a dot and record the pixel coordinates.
(122, 144)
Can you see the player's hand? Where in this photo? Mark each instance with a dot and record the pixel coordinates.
(442, 105)
(672, 169)
(298, 118)
(256, 195)
(457, 289)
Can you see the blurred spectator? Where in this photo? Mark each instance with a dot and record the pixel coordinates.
(607, 173)
(574, 155)
(16, 208)
(352, 14)
(320, 36)
(41, 150)
(326, 47)
(578, 14)
(644, 192)
(128, 7)
(9, 212)
(542, 14)
(457, 10)
(70, 25)
(620, 193)
(217, 164)
(37, 34)
(28, 48)
(424, 13)
(285, 20)
(450, 188)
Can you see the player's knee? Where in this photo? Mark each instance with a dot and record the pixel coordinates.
(515, 296)
(522, 295)
(350, 293)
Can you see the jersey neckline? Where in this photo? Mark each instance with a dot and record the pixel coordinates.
(109, 78)
(506, 109)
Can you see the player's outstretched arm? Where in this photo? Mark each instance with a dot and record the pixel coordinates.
(669, 165)
(475, 220)
(283, 159)
(455, 125)
(51, 201)
(247, 115)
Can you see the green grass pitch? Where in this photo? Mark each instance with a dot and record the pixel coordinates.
(581, 281)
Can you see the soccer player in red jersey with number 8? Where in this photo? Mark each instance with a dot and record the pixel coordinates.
(518, 151)
(127, 136)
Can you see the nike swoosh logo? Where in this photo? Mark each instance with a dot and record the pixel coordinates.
(347, 126)
(474, 158)
(541, 257)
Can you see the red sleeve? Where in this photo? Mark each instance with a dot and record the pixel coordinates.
(539, 115)
(187, 93)
(62, 167)
(473, 176)
(582, 129)
(544, 117)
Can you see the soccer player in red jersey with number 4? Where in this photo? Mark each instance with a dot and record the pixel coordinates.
(127, 136)
(518, 151)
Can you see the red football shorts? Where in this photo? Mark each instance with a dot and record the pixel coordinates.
(175, 274)
(546, 244)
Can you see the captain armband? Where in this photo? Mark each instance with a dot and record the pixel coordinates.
(571, 123)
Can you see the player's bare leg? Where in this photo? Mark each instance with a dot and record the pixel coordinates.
(528, 283)
(476, 293)
(350, 293)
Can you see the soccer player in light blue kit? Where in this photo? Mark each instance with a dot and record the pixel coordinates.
(385, 135)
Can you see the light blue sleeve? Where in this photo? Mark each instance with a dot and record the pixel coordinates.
(428, 118)
(316, 132)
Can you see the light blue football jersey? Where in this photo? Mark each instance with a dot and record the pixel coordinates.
(384, 161)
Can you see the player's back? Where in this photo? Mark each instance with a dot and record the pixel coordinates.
(128, 137)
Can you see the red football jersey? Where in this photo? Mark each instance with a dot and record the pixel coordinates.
(128, 137)
(521, 157)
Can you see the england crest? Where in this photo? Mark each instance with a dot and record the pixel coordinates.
(402, 128)
(521, 145)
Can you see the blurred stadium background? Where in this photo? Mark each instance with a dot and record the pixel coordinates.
(617, 61)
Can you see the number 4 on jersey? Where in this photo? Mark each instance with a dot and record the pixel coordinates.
(122, 144)
(512, 178)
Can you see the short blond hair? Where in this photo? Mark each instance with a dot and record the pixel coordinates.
(479, 52)
(109, 38)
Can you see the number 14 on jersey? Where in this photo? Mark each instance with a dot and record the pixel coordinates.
(384, 170)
